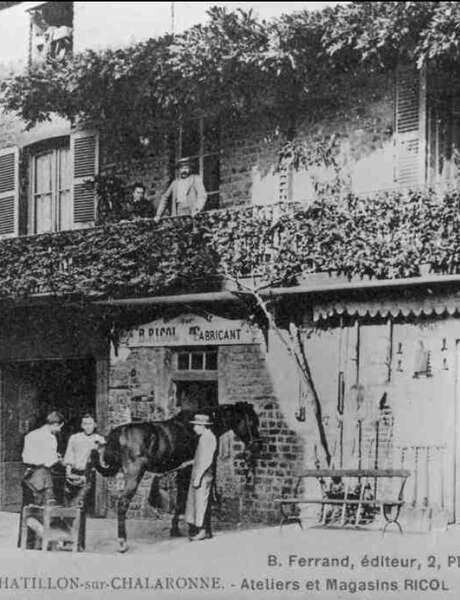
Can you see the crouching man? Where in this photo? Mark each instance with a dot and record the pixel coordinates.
(41, 460)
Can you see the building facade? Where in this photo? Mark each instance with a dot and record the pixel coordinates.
(384, 356)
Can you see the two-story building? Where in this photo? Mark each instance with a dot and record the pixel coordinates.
(383, 352)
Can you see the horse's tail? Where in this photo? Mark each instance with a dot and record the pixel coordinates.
(111, 456)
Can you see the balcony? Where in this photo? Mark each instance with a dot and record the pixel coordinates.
(389, 236)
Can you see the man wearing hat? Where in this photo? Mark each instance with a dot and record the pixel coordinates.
(198, 508)
(186, 195)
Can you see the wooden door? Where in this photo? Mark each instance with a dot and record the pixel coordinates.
(19, 413)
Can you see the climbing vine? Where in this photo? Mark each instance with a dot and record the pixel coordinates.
(391, 235)
(235, 66)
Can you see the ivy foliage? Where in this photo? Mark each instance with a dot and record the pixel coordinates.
(391, 235)
(235, 65)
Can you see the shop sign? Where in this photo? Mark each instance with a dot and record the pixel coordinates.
(194, 330)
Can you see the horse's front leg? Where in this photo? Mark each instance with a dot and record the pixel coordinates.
(133, 476)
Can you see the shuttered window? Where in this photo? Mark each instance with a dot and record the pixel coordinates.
(51, 208)
(85, 148)
(410, 118)
(8, 192)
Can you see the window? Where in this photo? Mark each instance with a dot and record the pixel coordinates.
(51, 181)
(61, 183)
(51, 30)
(197, 360)
(443, 126)
(427, 126)
(199, 139)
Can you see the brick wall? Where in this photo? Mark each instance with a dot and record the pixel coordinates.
(140, 388)
(243, 376)
(249, 153)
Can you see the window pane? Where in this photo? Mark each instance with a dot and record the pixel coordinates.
(182, 361)
(43, 175)
(211, 361)
(191, 138)
(197, 361)
(64, 168)
(65, 211)
(211, 172)
(211, 136)
(43, 214)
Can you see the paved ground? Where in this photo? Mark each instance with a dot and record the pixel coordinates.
(251, 563)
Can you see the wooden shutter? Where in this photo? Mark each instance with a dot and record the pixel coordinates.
(9, 191)
(84, 148)
(410, 117)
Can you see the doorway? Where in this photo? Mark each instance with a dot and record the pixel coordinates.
(196, 395)
(30, 390)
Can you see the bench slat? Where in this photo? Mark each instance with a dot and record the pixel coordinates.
(359, 473)
(336, 501)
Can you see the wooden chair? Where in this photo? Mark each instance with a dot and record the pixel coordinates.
(54, 525)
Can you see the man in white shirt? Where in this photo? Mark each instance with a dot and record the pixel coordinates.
(187, 193)
(40, 455)
(79, 475)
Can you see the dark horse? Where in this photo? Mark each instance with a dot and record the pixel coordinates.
(162, 446)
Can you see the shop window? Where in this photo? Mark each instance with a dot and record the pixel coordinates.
(199, 140)
(197, 360)
(51, 31)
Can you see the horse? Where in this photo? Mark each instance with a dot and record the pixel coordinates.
(163, 446)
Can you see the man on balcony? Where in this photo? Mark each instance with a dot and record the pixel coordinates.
(186, 195)
(138, 206)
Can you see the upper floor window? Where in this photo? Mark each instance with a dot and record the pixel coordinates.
(51, 206)
(51, 30)
(427, 126)
(58, 178)
(61, 183)
(199, 140)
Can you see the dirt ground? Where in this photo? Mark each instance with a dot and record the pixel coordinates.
(238, 563)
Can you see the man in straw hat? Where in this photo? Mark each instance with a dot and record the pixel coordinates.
(198, 508)
(186, 195)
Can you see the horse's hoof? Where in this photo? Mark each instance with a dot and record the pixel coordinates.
(123, 546)
(175, 533)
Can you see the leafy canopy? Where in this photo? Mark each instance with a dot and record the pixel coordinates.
(235, 65)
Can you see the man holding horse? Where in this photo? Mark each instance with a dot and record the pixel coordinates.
(79, 474)
(198, 508)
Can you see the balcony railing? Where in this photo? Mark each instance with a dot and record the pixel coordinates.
(388, 236)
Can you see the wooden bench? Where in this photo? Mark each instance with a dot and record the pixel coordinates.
(353, 487)
(54, 526)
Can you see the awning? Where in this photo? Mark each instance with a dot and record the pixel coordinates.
(428, 304)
